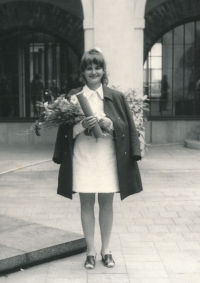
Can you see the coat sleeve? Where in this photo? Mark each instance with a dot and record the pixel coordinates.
(135, 142)
(58, 150)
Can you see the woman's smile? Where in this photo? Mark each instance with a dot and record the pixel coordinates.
(93, 75)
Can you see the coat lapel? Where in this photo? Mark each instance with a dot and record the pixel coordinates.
(107, 93)
(108, 100)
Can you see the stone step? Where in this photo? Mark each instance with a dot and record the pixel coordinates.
(193, 144)
(24, 244)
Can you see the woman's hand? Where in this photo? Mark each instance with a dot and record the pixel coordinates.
(89, 122)
(104, 122)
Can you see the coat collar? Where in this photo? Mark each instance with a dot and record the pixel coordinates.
(107, 93)
(88, 92)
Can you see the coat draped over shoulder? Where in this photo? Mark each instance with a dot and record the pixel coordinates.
(127, 147)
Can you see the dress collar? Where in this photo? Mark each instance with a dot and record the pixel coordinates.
(88, 92)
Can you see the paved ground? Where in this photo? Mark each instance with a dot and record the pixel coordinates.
(16, 157)
(156, 234)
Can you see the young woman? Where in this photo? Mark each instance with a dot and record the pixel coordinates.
(106, 165)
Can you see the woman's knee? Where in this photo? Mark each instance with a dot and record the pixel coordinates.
(87, 201)
(106, 201)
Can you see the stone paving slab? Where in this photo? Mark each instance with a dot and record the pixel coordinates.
(24, 243)
(156, 234)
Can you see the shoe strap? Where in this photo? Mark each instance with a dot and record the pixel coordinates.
(108, 259)
(90, 259)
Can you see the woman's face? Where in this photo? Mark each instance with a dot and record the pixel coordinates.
(93, 74)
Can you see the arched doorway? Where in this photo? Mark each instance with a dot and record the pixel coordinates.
(34, 66)
(42, 40)
(165, 16)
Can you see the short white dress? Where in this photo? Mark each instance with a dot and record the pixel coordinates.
(94, 160)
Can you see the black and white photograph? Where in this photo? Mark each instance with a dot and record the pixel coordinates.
(99, 141)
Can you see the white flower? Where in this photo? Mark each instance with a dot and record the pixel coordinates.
(65, 101)
(45, 104)
(64, 108)
(74, 99)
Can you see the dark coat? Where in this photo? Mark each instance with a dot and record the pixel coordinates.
(126, 143)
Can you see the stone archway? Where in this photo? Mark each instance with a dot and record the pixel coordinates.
(166, 16)
(43, 16)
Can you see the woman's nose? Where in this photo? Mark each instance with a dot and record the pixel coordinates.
(93, 70)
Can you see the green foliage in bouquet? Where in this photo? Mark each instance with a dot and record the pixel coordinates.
(61, 111)
(138, 105)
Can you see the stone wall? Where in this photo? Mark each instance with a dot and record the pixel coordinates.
(171, 131)
(42, 16)
(72, 6)
(156, 132)
(15, 133)
(151, 4)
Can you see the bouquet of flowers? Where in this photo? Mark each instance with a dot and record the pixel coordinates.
(61, 111)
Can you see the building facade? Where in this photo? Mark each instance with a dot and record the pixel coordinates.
(151, 46)
(172, 70)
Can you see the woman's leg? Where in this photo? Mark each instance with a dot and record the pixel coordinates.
(88, 220)
(105, 219)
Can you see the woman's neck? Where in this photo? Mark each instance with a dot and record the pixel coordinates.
(94, 87)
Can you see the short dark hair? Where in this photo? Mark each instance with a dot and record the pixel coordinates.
(90, 57)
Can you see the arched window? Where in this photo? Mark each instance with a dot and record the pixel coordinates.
(172, 73)
(34, 66)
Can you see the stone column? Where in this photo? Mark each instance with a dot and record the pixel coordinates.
(88, 23)
(138, 54)
(114, 34)
(139, 25)
(116, 26)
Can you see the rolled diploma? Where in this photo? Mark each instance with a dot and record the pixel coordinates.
(88, 112)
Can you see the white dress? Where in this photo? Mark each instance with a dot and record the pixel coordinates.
(94, 160)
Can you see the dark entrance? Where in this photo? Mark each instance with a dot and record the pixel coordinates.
(34, 66)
